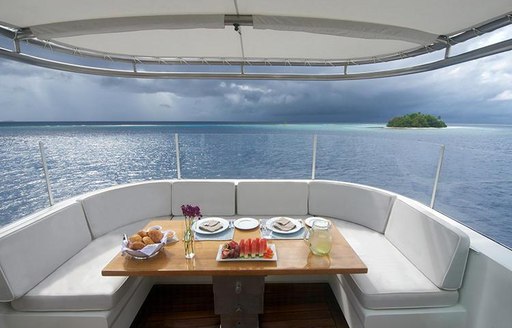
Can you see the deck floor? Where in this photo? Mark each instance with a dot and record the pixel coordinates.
(286, 305)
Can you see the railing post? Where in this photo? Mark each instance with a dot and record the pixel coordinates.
(313, 164)
(438, 173)
(177, 145)
(46, 175)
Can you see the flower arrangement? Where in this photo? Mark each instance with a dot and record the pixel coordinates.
(190, 213)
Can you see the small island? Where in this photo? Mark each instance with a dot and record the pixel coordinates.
(416, 120)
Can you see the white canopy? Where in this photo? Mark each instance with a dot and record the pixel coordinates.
(278, 32)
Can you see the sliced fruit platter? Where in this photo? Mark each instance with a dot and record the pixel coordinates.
(247, 250)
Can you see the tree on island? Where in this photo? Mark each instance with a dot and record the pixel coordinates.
(416, 120)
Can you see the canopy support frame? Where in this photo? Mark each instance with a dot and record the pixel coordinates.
(443, 42)
(490, 50)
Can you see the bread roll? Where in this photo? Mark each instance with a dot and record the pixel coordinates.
(134, 238)
(148, 241)
(155, 235)
(137, 245)
(142, 233)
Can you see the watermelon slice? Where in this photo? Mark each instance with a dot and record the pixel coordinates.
(242, 248)
(257, 242)
(263, 246)
(248, 248)
(254, 248)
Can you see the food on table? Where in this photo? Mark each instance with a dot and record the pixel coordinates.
(155, 235)
(263, 247)
(148, 241)
(269, 253)
(255, 245)
(242, 248)
(134, 238)
(136, 245)
(143, 238)
(247, 248)
(231, 250)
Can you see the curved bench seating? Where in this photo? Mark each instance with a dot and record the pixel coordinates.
(50, 264)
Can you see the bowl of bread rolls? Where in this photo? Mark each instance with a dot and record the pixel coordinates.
(146, 243)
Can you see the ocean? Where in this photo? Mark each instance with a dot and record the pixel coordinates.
(475, 185)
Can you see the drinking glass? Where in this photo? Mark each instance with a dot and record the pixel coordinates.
(265, 231)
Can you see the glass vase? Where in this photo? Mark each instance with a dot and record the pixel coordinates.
(188, 238)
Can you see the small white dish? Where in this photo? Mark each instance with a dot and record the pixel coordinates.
(197, 225)
(246, 223)
(171, 236)
(297, 223)
(309, 221)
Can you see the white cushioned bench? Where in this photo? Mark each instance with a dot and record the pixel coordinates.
(272, 197)
(415, 260)
(57, 281)
(33, 251)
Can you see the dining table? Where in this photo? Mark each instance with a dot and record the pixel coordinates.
(238, 284)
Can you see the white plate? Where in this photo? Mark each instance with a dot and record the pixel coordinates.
(195, 227)
(248, 259)
(309, 221)
(246, 223)
(270, 225)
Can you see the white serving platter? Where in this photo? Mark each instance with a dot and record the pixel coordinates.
(248, 259)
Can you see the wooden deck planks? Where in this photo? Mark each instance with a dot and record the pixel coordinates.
(286, 305)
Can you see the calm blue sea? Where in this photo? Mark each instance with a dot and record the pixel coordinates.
(475, 187)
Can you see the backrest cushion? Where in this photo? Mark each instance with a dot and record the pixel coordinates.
(214, 197)
(436, 248)
(366, 206)
(30, 252)
(272, 197)
(112, 208)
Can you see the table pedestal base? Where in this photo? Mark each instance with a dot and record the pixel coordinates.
(238, 300)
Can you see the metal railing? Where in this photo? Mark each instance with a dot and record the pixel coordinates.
(46, 174)
(179, 175)
(438, 173)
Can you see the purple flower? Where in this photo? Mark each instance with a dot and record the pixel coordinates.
(191, 211)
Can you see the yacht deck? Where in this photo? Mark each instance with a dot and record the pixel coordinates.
(286, 305)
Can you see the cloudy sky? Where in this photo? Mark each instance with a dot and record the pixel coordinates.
(474, 92)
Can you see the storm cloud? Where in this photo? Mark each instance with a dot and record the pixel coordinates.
(474, 92)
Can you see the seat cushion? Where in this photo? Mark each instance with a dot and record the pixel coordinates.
(272, 197)
(392, 280)
(35, 249)
(213, 197)
(437, 248)
(363, 205)
(115, 207)
(78, 284)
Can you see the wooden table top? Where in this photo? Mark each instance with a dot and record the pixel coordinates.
(293, 258)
